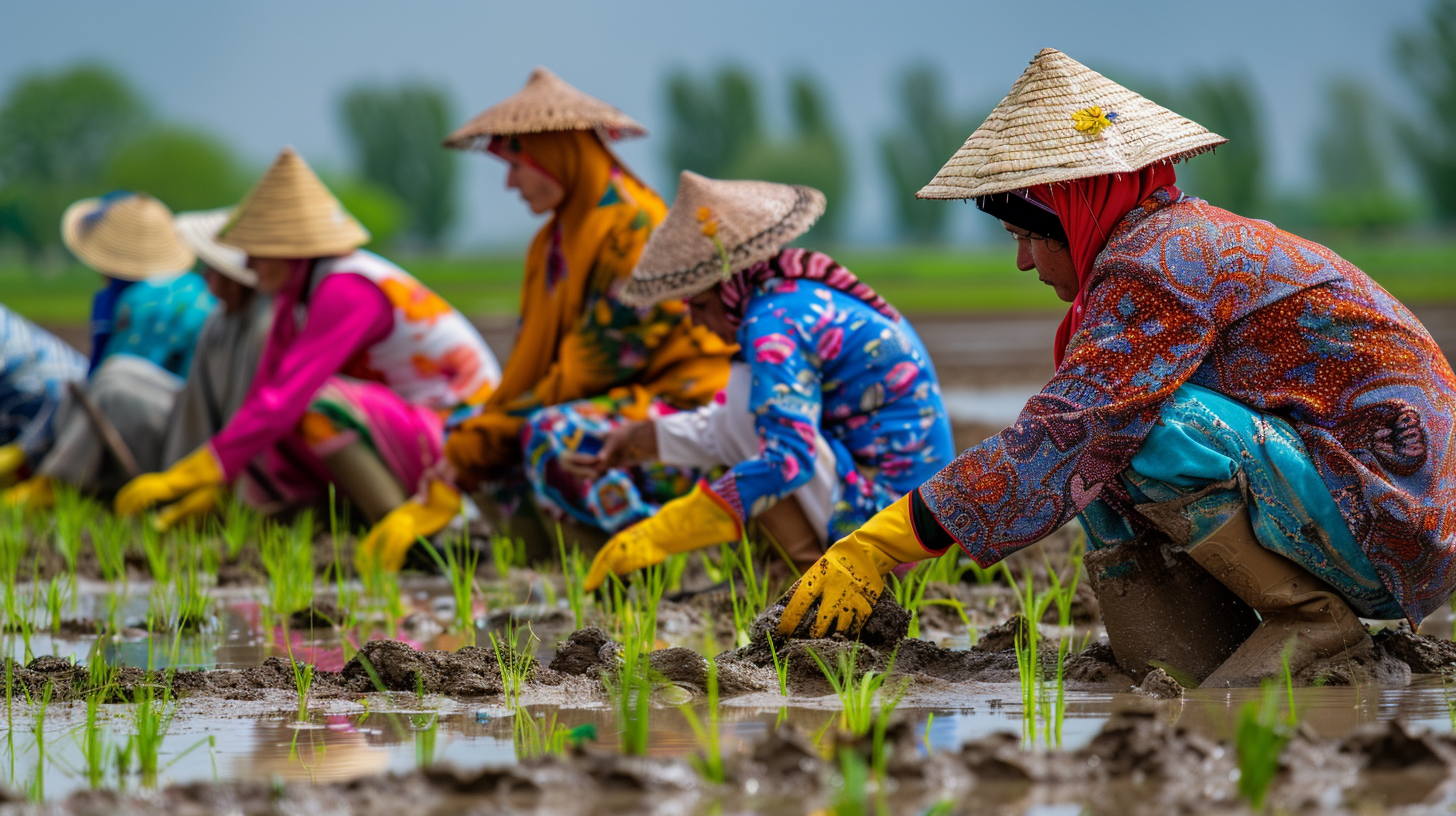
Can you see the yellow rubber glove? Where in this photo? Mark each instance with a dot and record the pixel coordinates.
(199, 469)
(850, 577)
(35, 493)
(386, 545)
(196, 504)
(699, 519)
(12, 459)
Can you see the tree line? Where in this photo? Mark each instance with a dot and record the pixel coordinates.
(85, 130)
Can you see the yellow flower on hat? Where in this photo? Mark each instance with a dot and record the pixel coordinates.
(1091, 121)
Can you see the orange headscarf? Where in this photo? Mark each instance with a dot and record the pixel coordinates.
(589, 246)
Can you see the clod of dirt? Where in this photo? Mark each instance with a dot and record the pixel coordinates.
(472, 671)
(584, 651)
(787, 755)
(681, 666)
(886, 626)
(997, 758)
(1390, 746)
(1157, 685)
(1095, 665)
(1138, 742)
(1424, 655)
(1003, 638)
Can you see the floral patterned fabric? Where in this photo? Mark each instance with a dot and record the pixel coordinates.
(823, 359)
(622, 496)
(35, 366)
(1185, 292)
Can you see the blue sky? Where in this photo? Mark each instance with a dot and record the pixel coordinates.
(263, 73)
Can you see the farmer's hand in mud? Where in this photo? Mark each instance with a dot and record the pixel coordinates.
(198, 469)
(389, 541)
(628, 444)
(848, 580)
(699, 519)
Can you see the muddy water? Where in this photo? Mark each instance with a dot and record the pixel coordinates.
(213, 739)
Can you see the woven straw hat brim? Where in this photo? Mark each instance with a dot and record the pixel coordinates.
(547, 103)
(291, 214)
(132, 240)
(754, 220)
(1032, 137)
(199, 231)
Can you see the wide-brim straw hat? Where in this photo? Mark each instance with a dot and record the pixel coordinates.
(547, 103)
(124, 235)
(751, 220)
(1063, 121)
(291, 214)
(199, 231)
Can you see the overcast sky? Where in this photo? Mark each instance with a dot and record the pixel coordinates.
(262, 73)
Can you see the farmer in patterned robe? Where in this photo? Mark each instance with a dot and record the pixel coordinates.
(1244, 421)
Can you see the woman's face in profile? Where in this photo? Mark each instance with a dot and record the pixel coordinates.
(540, 192)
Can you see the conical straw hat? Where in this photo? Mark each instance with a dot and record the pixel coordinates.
(291, 214)
(1063, 121)
(199, 231)
(124, 235)
(751, 220)
(546, 103)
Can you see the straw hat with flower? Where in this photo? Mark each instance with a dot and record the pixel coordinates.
(1063, 121)
(124, 235)
(199, 231)
(547, 103)
(291, 214)
(716, 228)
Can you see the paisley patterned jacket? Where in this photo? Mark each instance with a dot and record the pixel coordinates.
(1187, 292)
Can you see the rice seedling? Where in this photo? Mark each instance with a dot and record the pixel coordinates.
(109, 538)
(856, 693)
(1042, 699)
(507, 552)
(740, 572)
(57, 596)
(541, 735)
(709, 761)
(426, 728)
(781, 665)
(240, 524)
(630, 686)
(35, 791)
(459, 563)
(70, 512)
(152, 718)
(98, 753)
(345, 595)
(573, 567)
(287, 554)
(514, 660)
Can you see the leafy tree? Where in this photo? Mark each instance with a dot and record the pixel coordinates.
(1233, 176)
(714, 121)
(185, 168)
(1427, 56)
(715, 131)
(914, 152)
(57, 133)
(1350, 154)
(813, 154)
(395, 134)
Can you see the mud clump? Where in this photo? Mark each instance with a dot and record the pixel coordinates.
(886, 626)
(471, 671)
(584, 652)
(1157, 685)
(1003, 638)
(1424, 655)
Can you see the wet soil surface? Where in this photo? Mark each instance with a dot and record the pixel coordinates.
(1136, 764)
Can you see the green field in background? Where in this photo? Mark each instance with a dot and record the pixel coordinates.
(915, 280)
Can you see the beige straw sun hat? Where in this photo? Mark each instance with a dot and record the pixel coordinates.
(124, 235)
(1063, 121)
(546, 103)
(291, 214)
(199, 231)
(750, 220)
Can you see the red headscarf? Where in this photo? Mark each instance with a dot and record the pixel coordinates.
(1089, 208)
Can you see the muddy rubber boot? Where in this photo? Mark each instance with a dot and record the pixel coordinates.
(365, 480)
(1162, 610)
(1294, 604)
(786, 526)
